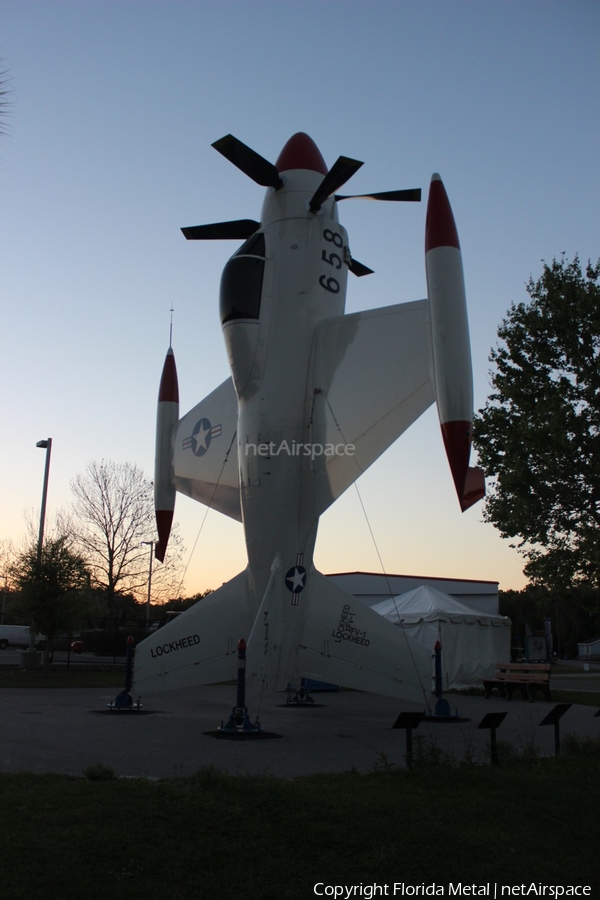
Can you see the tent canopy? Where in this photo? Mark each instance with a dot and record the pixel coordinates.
(428, 604)
(472, 642)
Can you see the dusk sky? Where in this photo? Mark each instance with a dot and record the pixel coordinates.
(115, 106)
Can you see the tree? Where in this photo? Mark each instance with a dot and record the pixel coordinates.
(574, 614)
(53, 588)
(113, 515)
(6, 579)
(539, 432)
(5, 103)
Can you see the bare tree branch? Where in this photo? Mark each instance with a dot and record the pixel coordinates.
(114, 513)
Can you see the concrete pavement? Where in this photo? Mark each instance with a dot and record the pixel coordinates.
(66, 730)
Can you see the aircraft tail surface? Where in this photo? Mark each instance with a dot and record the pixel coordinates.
(339, 639)
(199, 646)
(345, 642)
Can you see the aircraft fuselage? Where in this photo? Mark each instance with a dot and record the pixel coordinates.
(304, 281)
(315, 397)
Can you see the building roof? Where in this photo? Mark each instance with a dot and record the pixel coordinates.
(415, 577)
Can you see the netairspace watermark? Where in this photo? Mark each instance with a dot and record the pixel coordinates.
(296, 448)
(490, 889)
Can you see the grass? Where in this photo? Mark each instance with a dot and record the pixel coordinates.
(585, 698)
(216, 836)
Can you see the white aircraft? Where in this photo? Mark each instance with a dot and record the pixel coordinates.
(314, 397)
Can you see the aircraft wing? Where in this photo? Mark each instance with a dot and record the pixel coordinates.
(371, 377)
(205, 455)
(345, 642)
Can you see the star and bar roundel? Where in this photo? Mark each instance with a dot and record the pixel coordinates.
(199, 440)
(295, 579)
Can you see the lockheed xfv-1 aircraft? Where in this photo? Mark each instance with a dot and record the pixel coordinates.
(314, 398)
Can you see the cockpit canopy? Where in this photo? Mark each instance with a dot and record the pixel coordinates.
(242, 281)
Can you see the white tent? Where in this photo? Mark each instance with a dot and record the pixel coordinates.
(472, 642)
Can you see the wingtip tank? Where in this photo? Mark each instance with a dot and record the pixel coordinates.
(450, 342)
(167, 416)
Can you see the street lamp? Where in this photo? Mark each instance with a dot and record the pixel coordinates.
(30, 658)
(151, 545)
(47, 446)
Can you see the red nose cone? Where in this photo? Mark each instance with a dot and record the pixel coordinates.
(301, 152)
(169, 387)
(164, 520)
(440, 228)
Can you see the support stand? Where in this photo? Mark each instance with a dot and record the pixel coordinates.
(442, 707)
(124, 700)
(300, 698)
(239, 722)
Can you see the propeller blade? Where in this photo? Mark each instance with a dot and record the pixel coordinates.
(358, 269)
(341, 171)
(240, 229)
(413, 195)
(249, 161)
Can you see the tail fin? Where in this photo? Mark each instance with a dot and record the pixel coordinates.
(277, 630)
(344, 642)
(199, 646)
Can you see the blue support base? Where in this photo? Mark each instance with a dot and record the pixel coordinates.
(239, 722)
(300, 698)
(124, 702)
(443, 714)
(442, 707)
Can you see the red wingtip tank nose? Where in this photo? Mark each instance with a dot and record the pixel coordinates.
(168, 390)
(440, 227)
(164, 522)
(301, 152)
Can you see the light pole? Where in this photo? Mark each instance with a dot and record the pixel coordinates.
(47, 446)
(30, 658)
(151, 545)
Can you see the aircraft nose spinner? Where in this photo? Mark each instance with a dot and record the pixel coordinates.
(301, 152)
(314, 398)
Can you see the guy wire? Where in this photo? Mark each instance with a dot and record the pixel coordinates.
(379, 555)
(207, 511)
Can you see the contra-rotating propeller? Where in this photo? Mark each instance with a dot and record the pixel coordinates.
(266, 174)
(341, 171)
(239, 229)
(411, 195)
(249, 161)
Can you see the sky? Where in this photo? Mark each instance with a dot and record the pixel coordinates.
(115, 106)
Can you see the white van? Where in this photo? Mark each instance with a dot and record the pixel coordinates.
(16, 636)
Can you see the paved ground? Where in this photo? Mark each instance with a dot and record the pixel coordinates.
(51, 730)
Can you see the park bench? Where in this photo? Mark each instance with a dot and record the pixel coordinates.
(525, 677)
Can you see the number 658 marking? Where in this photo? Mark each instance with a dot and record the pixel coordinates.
(333, 259)
(330, 284)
